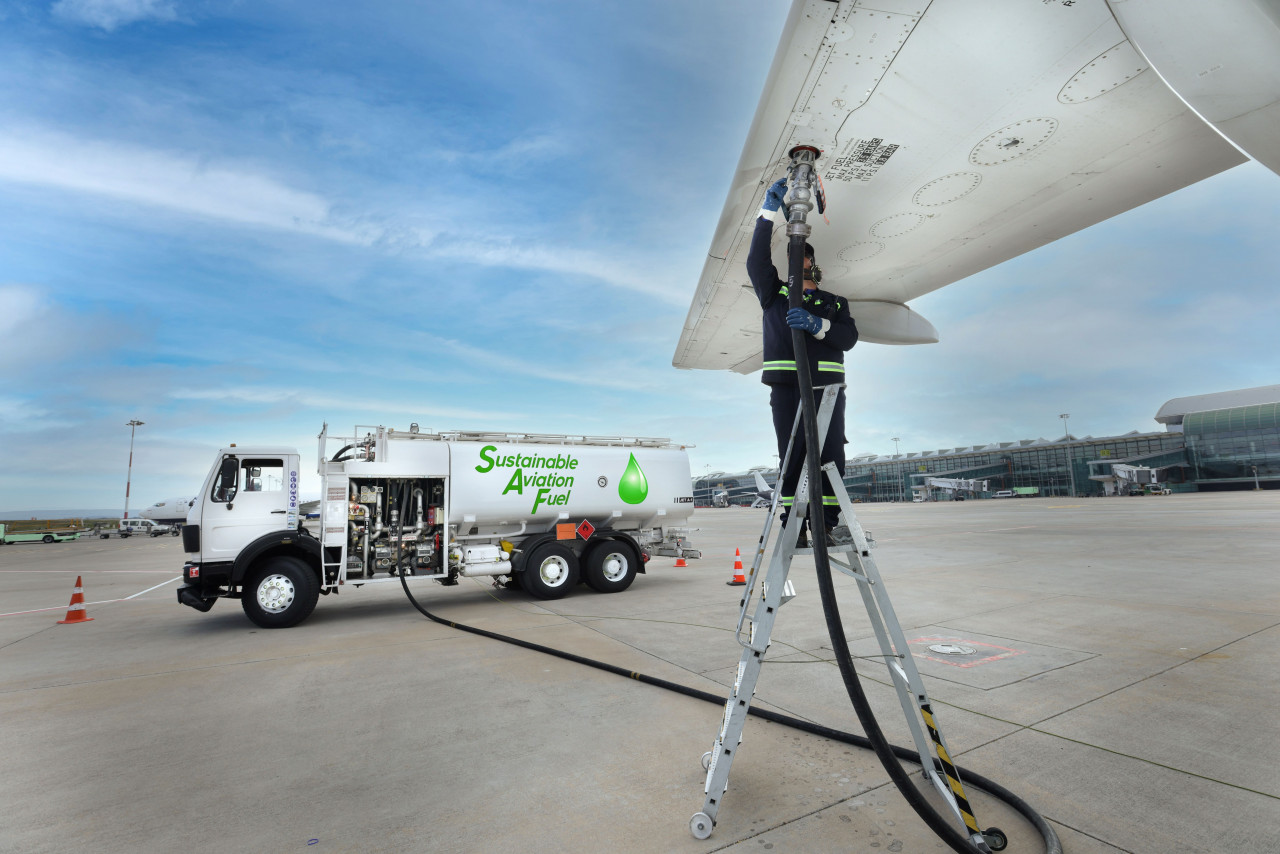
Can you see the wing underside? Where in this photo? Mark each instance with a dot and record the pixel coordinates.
(955, 135)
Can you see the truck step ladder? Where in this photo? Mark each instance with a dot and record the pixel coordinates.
(754, 631)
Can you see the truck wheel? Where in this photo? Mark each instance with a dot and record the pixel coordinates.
(48, 538)
(280, 594)
(550, 572)
(611, 566)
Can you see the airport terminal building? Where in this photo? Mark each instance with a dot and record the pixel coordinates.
(1225, 440)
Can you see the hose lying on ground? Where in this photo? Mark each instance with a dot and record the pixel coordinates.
(1052, 845)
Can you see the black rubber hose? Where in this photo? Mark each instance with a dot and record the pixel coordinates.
(1051, 843)
(341, 451)
(944, 829)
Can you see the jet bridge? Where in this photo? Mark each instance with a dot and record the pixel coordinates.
(950, 486)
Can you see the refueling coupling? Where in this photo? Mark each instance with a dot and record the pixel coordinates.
(801, 192)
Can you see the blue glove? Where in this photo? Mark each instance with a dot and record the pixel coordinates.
(798, 318)
(773, 196)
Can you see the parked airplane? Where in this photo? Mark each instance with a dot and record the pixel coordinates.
(171, 511)
(764, 493)
(956, 135)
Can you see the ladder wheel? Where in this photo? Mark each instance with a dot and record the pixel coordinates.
(706, 761)
(700, 825)
(995, 838)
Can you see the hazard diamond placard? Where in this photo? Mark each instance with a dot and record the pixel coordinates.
(586, 529)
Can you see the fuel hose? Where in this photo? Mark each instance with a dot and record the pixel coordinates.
(1052, 846)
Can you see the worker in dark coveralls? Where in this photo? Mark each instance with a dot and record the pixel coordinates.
(826, 320)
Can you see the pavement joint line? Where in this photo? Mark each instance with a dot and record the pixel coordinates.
(316, 654)
(1146, 761)
(1088, 835)
(1035, 727)
(1115, 598)
(59, 608)
(1159, 672)
(100, 602)
(27, 637)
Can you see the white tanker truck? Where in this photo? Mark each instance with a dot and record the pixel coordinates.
(540, 511)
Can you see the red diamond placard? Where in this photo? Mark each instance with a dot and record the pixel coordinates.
(586, 529)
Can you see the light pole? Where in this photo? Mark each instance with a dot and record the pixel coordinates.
(901, 494)
(133, 425)
(1256, 486)
(1066, 434)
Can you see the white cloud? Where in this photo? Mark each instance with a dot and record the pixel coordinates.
(332, 406)
(19, 305)
(109, 14)
(235, 194)
(177, 181)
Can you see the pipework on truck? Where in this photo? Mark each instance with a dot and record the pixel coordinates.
(535, 511)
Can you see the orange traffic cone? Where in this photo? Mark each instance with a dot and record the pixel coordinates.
(738, 578)
(75, 611)
(681, 562)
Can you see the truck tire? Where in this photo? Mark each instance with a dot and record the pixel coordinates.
(281, 593)
(550, 571)
(611, 566)
(47, 538)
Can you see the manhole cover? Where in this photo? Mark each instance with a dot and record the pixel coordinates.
(951, 649)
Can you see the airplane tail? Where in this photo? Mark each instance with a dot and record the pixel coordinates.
(761, 484)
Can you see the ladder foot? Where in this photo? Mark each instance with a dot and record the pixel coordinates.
(700, 825)
(995, 838)
(706, 761)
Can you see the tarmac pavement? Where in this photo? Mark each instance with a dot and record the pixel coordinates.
(1123, 682)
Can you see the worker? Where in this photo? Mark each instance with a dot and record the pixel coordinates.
(831, 329)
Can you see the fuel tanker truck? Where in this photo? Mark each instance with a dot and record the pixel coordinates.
(535, 511)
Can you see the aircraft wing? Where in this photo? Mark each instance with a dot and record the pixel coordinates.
(957, 135)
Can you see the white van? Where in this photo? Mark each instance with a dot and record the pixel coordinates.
(1005, 493)
(143, 526)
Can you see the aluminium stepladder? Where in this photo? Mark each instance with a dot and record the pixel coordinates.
(775, 591)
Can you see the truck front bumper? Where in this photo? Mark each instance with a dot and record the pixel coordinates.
(192, 597)
(204, 584)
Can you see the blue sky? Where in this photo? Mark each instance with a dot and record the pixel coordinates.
(237, 220)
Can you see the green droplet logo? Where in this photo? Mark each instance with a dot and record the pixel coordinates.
(633, 488)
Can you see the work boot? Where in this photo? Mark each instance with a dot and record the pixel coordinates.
(839, 536)
(803, 541)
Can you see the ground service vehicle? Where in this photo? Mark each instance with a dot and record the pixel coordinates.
(142, 526)
(8, 537)
(540, 511)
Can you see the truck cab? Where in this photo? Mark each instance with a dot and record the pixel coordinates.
(243, 525)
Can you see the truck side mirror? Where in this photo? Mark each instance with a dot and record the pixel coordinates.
(226, 488)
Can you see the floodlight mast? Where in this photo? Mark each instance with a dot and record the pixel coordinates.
(133, 426)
